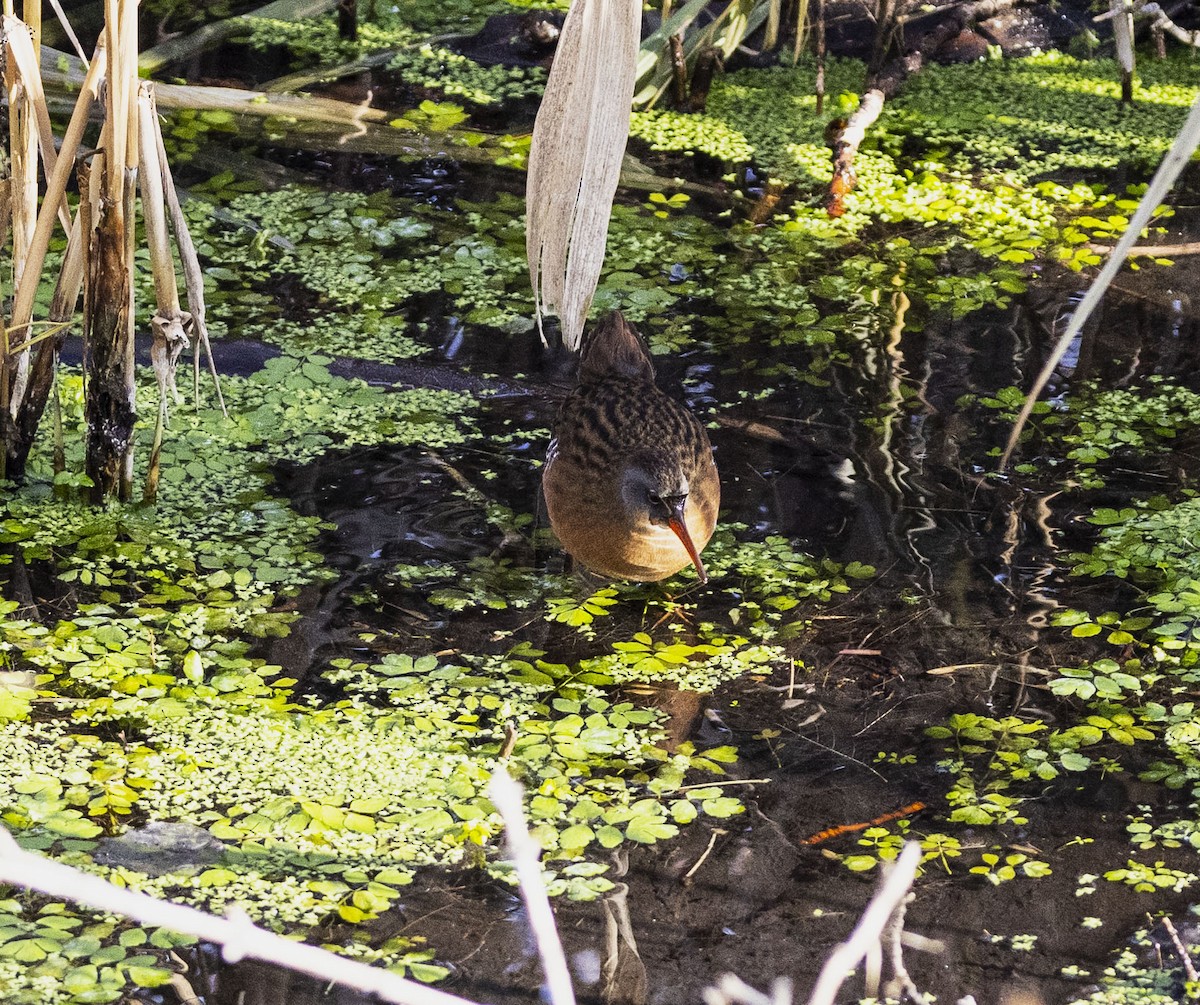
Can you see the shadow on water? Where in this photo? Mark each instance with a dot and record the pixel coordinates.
(954, 622)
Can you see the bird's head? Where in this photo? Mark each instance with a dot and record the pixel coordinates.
(657, 491)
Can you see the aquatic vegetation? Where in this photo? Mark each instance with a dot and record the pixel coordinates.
(316, 42)
(143, 702)
(60, 955)
(997, 868)
(369, 335)
(461, 16)
(768, 579)
(357, 255)
(495, 584)
(458, 76)
(1134, 979)
(702, 134)
(959, 168)
(169, 600)
(1045, 113)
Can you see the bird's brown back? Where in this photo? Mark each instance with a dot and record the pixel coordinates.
(617, 416)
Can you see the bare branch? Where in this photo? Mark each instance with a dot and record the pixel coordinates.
(240, 937)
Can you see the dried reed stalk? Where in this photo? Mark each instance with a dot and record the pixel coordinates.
(575, 159)
(34, 385)
(192, 274)
(1172, 165)
(53, 203)
(170, 326)
(23, 196)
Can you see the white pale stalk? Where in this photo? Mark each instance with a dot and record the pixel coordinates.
(575, 159)
(505, 794)
(1172, 164)
(154, 211)
(239, 937)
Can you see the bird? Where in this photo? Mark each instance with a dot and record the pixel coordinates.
(630, 484)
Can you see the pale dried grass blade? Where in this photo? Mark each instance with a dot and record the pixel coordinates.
(67, 29)
(25, 60)
(1173, 163)
(575, 159)
(52, 204)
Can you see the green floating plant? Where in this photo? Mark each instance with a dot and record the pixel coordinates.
(691, 134)
(458, 76)
(60, 954)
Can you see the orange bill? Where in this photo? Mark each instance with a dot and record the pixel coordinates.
(677, 524)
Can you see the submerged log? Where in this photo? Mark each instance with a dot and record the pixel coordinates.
(212, 35)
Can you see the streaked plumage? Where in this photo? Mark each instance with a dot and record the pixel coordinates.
(630, 483)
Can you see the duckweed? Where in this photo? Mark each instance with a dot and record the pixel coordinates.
(458, 76)
(666, 130)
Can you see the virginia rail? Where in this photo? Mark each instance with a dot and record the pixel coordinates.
(630, 482)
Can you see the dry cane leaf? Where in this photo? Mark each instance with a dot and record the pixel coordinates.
(575, 158)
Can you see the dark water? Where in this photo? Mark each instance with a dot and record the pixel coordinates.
(969, 573)
(968, 578)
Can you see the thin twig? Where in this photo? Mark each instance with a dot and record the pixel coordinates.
(895, 938)
(1172, 164)
(1184, 957)
(712, 840)
(66, 27)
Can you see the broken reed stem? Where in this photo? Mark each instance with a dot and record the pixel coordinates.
(237, 933)
(1162, 23)
(679, 73)
(193, 276)
(866, 935)
(110, 404)
(819, 42)
(170, 325)
(150, 489)
(60, 443)
(771, 32)
(505, 794)
(22, 54)
(162, 264)
(43, 369)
